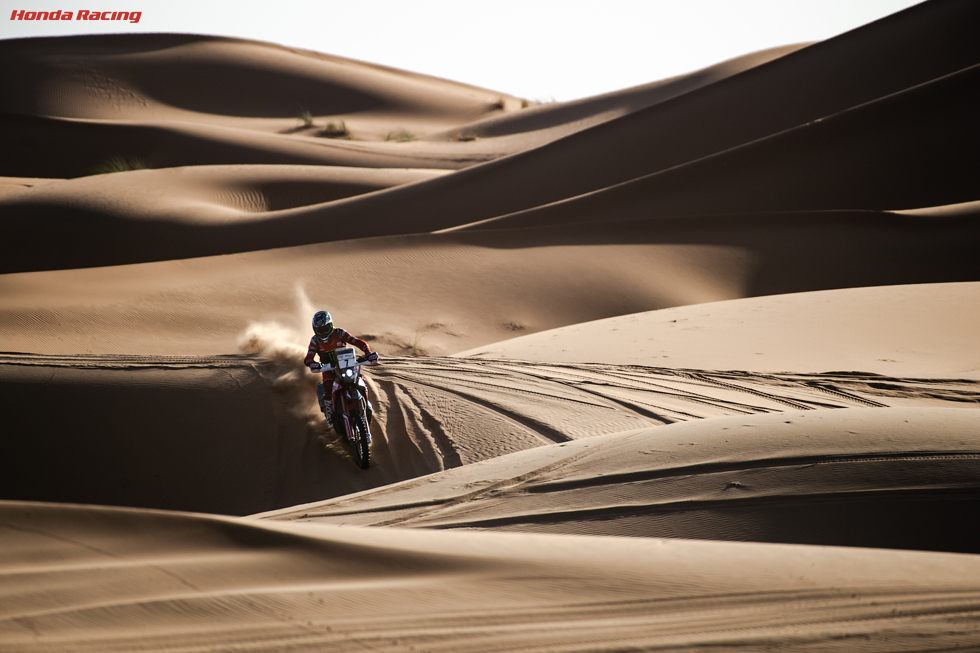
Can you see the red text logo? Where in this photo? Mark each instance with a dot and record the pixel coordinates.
(131, 16)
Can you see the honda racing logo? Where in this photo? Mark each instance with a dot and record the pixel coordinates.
(131, 16)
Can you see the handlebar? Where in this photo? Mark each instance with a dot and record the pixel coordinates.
(366, 359)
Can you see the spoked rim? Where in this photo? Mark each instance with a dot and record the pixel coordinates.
(362, 450)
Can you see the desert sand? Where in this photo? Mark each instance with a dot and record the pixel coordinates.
(690, 365)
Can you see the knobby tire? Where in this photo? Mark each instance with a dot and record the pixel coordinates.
(362, 451)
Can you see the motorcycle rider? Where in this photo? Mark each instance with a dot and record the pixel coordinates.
(327, 338)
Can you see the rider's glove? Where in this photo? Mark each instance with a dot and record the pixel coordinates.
(371, 357)
(314, 367)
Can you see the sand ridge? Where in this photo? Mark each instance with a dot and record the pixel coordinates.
(884, 330)
(549, 121)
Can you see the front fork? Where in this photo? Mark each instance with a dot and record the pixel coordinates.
(348, 427)
(346, 419)
(339, 398)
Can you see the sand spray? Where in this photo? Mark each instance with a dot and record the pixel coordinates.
(284, 346)
(281, 342)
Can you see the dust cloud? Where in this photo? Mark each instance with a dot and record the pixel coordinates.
(283, 346)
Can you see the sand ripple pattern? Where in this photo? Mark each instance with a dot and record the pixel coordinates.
(870, 477)
(256, 442)
(123, 580)
(560, 402)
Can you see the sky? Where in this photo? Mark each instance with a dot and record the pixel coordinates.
(536, 49)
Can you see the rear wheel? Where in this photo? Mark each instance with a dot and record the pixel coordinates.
(362, 449)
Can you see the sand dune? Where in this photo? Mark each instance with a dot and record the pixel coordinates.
(786, 93)
(36, 147)
(872, 156)
(168, 100)
(889, 330)
(242, 434)
(115, 580)
(209, 195)
(796, 133)
(403, 290)
(194, 78)
(730, 315)
(399, 292)
(873, 477)
(549, 121)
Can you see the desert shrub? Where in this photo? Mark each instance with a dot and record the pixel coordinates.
(307, 118)
(335, 130)
(401, 135)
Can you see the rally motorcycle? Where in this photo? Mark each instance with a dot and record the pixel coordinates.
(352, 414)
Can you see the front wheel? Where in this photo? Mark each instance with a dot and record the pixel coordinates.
(362, 446)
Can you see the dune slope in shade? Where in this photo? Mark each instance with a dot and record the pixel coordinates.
(95, 579)
(116, 76)
(916, 148)
(547, 122)
(29, 141)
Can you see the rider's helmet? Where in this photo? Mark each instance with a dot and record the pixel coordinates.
(322, 325)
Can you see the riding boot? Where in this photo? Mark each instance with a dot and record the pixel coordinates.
(319, 396)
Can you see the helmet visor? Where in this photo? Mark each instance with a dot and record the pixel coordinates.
(324, 330)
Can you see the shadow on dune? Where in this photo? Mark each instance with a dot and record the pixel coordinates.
(208, 435)
(149, 74)
(37, 147)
